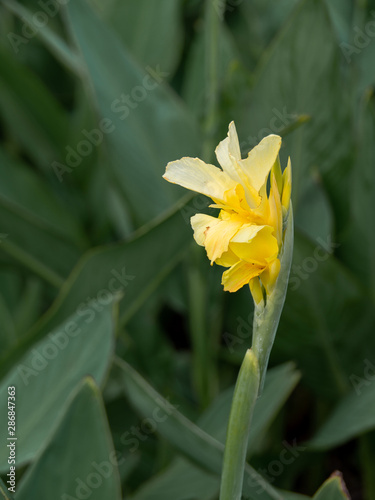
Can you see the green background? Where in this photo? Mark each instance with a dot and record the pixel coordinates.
(115, 330)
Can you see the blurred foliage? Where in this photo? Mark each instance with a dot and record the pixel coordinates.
(116, 333)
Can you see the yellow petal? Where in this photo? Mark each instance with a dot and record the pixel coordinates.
(260, 215)
(215, 234)
(287, 186)
(256, 290)
(276, 171)
(200, 223)
(269, 275)
(239, 275)
(260, 160)
(255, 244)
(234, 200)
(228, 259)
(229, 149)
(275, 210)
(228, 154)
(218, 237)
(194, 174)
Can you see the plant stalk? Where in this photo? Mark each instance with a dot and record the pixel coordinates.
(244, 399)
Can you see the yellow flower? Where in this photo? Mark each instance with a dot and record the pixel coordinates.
(247, 235)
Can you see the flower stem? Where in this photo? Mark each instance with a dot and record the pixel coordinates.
(266, 319)
(244, 399)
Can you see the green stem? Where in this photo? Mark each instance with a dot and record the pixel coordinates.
(244, 399)
(266, 318)
(252, 374)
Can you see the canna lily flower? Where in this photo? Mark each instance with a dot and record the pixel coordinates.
(247, 235)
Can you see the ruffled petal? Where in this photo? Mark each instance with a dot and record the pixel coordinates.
(218, 237)
(239, 275)
(215, 234)
(235, 199)
(255, 244)
(228, 259)
(200, 223)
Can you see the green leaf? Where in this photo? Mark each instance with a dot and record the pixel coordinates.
(360, 256)
(200, 447)
(153, 32)
(29, 306)
(148, 126)
(79, 460)
(46, 375)
(38, 226)
(37, 198)
(4, 493)
(363, 59)
(31, 114)
(333, 489)
(353, 416)
(197, 484)
(19, 307)
(261, 21)
(290, 495)
(341, 12)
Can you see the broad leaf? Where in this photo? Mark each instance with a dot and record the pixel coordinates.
(146, 125)
(359, 241)
(47, 374)
(79, 460)
(153, 32)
